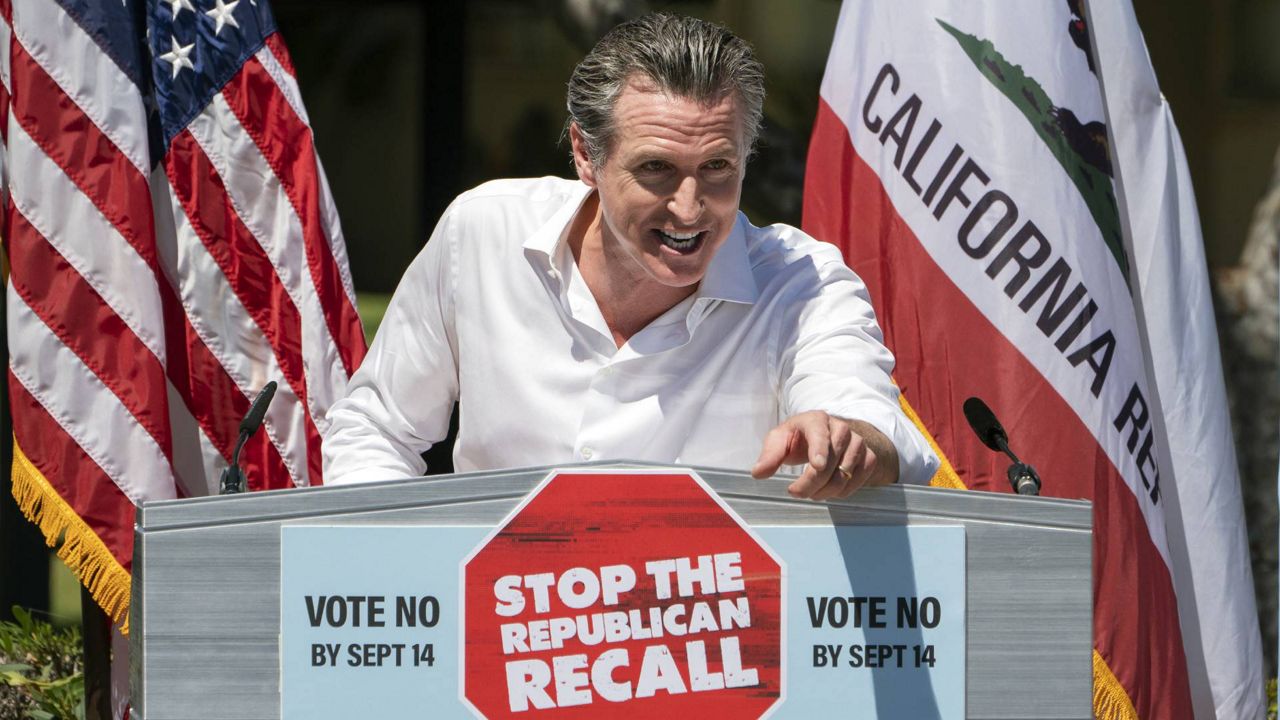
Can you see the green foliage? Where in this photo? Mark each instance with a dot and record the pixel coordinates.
(1271, 699)
(41, 670)
(372, 307)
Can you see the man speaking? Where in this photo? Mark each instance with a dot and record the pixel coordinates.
(633, 313)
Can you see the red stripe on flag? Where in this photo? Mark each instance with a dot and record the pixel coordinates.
(4, 138)
(216, 402)
(4, 112)
(92, 161)
(83, 321)
(6, 13)
(246, 267)
(947, 351)
(275, 43)
(79, 480)
(285, 141)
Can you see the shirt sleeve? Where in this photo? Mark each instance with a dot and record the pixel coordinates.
(399, 401)
(832, 358)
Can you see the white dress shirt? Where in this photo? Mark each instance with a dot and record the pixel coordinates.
(495, 312)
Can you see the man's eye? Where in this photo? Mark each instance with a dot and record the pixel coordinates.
(653, 166)
(718, 165)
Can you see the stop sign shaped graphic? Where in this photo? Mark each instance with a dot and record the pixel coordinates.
(624, 594)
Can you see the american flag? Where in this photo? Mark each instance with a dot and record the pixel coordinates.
(173, 246)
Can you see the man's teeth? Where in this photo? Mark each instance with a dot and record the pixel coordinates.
(679, 241)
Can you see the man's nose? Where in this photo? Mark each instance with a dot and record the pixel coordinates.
(686, 202)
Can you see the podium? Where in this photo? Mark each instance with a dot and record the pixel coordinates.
(206, 618)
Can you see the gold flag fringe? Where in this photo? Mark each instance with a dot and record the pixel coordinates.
(946, 477)
(82, 550)
(1110, 699)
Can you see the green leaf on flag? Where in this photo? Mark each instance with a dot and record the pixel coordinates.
(1028, 96)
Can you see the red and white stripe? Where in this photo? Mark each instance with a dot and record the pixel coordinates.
(1131, 619)
(956, 332)
(147, 307)
(1163, 572)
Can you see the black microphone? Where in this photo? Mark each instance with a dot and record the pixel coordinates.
(233, 480)
(1024, 478)
(985, 424)
(253, 420)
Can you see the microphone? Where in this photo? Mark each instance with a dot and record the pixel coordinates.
(233, 481)
(253, 419)
(1024, 478)
(985, 424)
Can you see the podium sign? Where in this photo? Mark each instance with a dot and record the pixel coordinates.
(641, 592)
(355, 601)
(626, 594)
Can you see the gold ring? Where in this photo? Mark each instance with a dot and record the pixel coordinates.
(847, 475)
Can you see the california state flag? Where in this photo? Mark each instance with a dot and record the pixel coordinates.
(1008, 181)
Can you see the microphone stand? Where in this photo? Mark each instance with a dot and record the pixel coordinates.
(1024, 478)
(232, 481)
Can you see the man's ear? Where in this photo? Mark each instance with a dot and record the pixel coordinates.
(581, 160)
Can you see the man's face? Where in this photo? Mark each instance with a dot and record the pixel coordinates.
(670, 185)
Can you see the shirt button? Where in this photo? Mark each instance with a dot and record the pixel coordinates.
(586, 453)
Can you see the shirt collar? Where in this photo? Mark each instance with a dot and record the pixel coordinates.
(547, 239)
(729, 276)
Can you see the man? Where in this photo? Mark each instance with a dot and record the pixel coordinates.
(634, 313)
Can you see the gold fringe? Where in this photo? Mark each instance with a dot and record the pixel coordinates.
(82, 550)
(946, 477)
(1110, 701)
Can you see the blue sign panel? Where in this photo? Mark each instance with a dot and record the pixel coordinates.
(873, 618)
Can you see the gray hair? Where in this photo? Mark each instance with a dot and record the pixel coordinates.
(683, 56)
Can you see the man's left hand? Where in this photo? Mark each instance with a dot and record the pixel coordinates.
(842, 455)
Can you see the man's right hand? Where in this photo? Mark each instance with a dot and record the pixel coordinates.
(841, 455)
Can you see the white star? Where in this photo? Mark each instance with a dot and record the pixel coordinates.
(222, 15)
(178, 57)
(178, 5)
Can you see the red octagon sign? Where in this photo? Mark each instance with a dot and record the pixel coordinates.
(622, 594)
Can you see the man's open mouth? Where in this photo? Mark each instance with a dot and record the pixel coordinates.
(681, 242)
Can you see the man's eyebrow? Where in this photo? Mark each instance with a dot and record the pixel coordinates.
(725, 148)
(646, 153)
